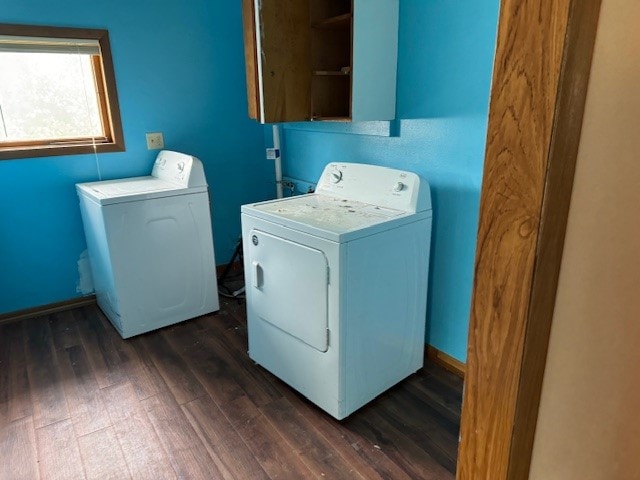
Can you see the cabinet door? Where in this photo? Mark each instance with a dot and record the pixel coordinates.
(375, 59)
(277, 54)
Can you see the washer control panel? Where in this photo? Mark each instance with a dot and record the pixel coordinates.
(376, 185)
(179, 168)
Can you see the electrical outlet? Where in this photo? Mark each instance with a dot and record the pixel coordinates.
(155, 141)
(272, 153)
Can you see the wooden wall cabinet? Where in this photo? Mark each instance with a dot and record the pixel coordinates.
(321, 59)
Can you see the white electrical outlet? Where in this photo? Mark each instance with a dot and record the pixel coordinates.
(155, 141)
(272, 153)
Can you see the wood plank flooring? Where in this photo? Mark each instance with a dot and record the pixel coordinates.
(77, 401)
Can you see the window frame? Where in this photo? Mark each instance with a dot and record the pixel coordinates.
(113, 141)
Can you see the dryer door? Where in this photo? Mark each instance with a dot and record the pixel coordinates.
(288, 283)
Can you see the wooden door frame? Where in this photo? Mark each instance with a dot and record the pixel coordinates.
(540, 79)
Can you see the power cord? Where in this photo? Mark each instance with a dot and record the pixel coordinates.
(223, 289)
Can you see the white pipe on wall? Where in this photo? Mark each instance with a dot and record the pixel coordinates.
(277, 160)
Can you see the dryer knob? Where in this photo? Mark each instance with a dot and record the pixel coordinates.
(398, 187)
(336, 176)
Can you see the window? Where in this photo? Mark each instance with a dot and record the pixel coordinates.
(57, 92)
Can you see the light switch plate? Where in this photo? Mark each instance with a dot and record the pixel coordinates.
(155, 141)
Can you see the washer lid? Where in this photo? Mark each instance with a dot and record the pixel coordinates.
(333, 218)
(133, 189)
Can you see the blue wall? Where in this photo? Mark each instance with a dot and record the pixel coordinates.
(445, 61)
(179, 70)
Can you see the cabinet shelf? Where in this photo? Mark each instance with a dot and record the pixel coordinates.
(331, 73)
(331, 119)
(335, 23)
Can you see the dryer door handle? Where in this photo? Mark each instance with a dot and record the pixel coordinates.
(257, 274)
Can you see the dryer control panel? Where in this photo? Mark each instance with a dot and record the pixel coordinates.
(376, 185)
(179, 168)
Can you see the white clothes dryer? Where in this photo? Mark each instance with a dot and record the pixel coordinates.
(336, 284)
(150, 245)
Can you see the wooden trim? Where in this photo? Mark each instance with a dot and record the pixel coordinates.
(250, 57)
(103, 102)
(57, 150)
(47, 309)
(565, 139)
(110, 92)
(445, 361)
(48, 31)
(539, 86)
(76, 302)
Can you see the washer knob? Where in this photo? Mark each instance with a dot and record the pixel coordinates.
(398, 187)
(336, 176)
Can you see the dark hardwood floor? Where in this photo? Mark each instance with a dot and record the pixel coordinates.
(77, 401)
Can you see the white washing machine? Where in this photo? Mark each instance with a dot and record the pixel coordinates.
(151, 246)
(336, 284)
